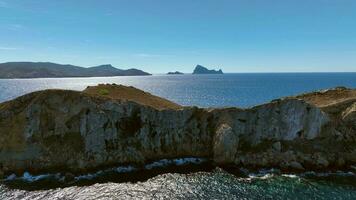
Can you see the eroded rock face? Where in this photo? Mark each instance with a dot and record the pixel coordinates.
(74, 131)
(66, 129)
(226, 143)
(349, 115)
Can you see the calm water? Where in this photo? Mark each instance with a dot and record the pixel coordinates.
(201, 90)
(205, 90)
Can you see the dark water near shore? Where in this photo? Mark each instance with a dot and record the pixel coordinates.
(215, 184)
(240, 90)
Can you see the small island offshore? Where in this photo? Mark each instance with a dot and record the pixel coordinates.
(175, 73)
(199, 69)
(105, 125)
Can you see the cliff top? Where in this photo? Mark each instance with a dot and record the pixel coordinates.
(328, 97)
(125, 93)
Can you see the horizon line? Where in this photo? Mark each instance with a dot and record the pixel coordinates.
(187, 73)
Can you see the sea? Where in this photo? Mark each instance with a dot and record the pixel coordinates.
(188, 178)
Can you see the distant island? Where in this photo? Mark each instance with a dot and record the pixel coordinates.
(53, 70)
(175, 73)
(203, 70)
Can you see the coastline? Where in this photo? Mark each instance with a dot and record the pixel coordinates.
(213, 127)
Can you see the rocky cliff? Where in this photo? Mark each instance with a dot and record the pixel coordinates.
(58, 130)
(203, 70)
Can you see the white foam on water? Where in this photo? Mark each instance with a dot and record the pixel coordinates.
(176, 161)
(340, 173)
(85, 177)
(125, 169)
(270, 171)
(30, 178)
(90, 175)
(157, 164)
(11, 177)
(184, 161)
(290, 175)
(260, 176)
(121, 169)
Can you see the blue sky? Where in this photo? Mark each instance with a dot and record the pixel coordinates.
(165, 35)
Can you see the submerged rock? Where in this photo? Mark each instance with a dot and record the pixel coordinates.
(59, 130)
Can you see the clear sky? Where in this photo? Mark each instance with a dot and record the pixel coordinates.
(168, 35)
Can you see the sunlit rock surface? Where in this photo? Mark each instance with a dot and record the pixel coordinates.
(58, 130)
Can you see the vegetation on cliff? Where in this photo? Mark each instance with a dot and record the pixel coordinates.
(124, 93)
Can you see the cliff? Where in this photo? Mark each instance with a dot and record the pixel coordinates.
(203, 70)
(59, 130)
(50, 70)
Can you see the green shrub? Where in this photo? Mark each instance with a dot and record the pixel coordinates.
(103, 91)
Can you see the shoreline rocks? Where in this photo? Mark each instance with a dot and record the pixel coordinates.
(59, 130)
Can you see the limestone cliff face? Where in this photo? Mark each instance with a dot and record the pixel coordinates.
(75, 131)
(66, 129)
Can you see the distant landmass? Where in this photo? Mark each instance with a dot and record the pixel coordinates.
(175, 73)
(53, 70)
(203, 70)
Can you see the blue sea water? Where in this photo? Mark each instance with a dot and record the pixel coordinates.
(242, 90)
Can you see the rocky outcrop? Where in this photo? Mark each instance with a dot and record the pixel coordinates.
(175, 73)
(203, 70)
(58, 130)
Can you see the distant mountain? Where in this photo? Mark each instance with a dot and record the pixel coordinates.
(203, 70)
(52, 70)
(175, 73)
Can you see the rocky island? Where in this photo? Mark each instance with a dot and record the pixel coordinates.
(175, 73)
(53, 70)
(106, 125)
(203, 70)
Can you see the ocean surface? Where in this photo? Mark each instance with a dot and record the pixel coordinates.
(241, 90)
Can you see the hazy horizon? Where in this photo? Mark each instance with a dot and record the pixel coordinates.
(237, 36)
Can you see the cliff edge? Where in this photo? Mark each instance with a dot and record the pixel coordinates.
(61, 130)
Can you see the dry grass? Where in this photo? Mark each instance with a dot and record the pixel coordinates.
(329, 97)
(125, 93)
